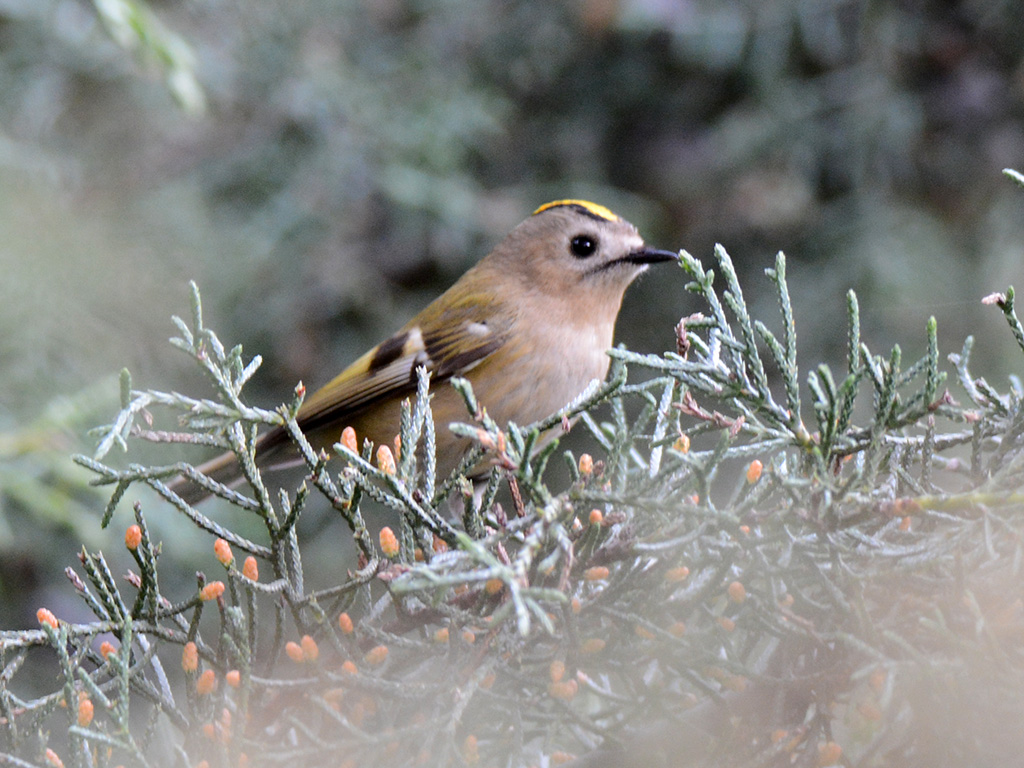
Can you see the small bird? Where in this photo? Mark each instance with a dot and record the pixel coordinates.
(529, 326)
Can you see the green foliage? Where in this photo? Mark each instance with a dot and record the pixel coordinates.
(136, 28)
(723, 582)
(346, 141)
(39, 483)
(355, 156)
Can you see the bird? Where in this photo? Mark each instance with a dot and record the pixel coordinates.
(529, 326)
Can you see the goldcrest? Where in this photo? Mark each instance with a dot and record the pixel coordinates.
(529, 326)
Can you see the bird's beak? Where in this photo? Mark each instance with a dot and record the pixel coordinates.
(650, 256)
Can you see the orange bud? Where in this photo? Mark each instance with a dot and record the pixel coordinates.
(682, 444)
(470, 749)
(398, 447)
(211, 591)
(190, 657)
(596, 573)
(726, 623)
(333, 697)
(85, 712)
(223, 552)
(737, 592)
(869, 710)
(829, 753)
(388, 542)
(294, 651)
(309, 648)
(376, 656)
(678, 629)
(556, 670)
(349, 667)
(53, 759)
(754, 471)
(641, 631)
(735, 683)
(576, 605)
(488, 680)
(440, 545)
(468, 637)
(592, 645)
(564, 690)
(233, 678)
(133, 537)
(207, 682)
(45, 616)
(348, 439)
(877, 680)
(106, 648)
(251, 569)
(494, 586)
(345, 624)
(596, 517)
(484, 438)
(677, 574)
(586, 464)
(386, 460)
(561, 758)
(441, 635)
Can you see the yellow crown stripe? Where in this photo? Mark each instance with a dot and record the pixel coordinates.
(592, 208)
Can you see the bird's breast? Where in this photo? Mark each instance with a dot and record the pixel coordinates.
(539, 370)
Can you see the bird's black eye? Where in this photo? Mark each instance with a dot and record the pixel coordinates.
(583, 246)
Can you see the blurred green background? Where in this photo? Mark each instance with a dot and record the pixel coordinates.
(323, 168)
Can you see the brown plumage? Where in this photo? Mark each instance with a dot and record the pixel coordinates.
(529, 326)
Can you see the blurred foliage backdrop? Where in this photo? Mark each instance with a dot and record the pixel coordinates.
(323, 167)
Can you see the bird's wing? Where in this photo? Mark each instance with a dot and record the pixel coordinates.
(448, 343)
(449, 338)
